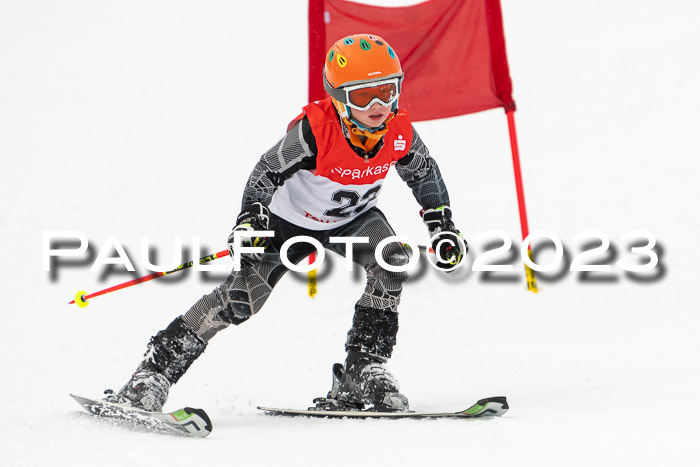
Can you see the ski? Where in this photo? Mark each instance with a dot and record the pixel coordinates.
(488, 407)
(187, 421)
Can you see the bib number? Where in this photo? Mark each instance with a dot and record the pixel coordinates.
(351, 202)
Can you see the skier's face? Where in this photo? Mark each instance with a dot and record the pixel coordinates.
(374, 116)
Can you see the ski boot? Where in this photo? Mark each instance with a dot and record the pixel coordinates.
(170, 353)
(363, 383)
(147, 390)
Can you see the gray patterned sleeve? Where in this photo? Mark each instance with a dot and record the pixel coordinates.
(422, 175)
(294, 152)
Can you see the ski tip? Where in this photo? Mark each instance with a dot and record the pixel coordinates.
(496, 399)
(201, 414)
(488, 407)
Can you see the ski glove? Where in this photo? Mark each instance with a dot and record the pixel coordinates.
(253, 217)
(446, 241)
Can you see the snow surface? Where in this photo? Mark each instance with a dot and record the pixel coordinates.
(131, 119)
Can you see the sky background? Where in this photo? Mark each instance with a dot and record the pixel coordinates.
(144, 119)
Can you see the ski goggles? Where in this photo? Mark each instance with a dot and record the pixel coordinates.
(363, 96)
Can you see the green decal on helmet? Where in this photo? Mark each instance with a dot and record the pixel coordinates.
(364, 45)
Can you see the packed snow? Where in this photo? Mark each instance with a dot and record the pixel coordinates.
(143, 119)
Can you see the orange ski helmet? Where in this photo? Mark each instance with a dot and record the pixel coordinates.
(359, 59)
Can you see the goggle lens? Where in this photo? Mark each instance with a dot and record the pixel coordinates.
(362, 97)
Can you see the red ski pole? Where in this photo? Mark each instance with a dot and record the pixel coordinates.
(82, 297)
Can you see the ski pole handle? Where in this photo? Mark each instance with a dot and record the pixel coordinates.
(421, 248)
(82, 297)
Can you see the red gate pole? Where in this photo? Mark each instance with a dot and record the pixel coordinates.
(317, 53)
(529, 273)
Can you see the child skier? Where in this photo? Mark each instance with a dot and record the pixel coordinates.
(322, 180)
